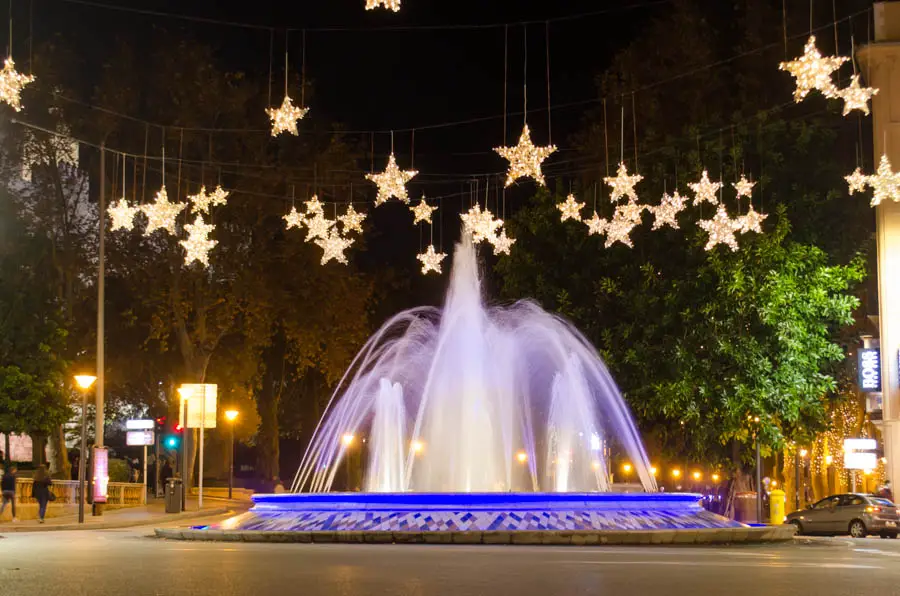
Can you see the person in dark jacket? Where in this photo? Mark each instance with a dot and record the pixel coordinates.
(8, 488)
(40, 490)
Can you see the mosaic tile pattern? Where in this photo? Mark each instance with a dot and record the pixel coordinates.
(455, 521)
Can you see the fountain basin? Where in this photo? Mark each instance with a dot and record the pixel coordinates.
(476, 512)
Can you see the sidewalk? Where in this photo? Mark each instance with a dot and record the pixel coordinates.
(152, 514)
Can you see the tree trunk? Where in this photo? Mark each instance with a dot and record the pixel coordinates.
(38, 450)
(61, 455)
(268, 449)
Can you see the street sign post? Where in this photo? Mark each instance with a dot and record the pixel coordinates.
(200, 403)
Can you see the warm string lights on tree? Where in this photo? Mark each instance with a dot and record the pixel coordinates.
(570, 209)
(665, 214)
(705, 190)
(198, 243)
(813, 72)
(721, 229)
(393, 5)
(422, 212)
(392, 182)
(431, 260)
(12, 83)
(525, 159)
(161, 213)
(352, 220)
(622, 184)
(333, 245)
(203, 201)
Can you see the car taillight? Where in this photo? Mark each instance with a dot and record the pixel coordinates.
(873, 509)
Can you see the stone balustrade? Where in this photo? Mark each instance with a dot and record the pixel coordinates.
(120, 494)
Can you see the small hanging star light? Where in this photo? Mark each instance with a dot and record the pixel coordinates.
(480, 224)
(294, 219)
(198, 244)
(857, 181)
(431, 260)
(318, 226)
(751, 222)
(885, 183)
(352, 221)
(624, 220)
(623, 184)
(334, 245)
(203, 201)
(388, 4)
(392, 182)
(812, 71)
(422, 212)
(12, 83)
(161, 213)
(856, 97)
(665, 214)
(525, 159)
(744, 187)
(502, 243)
(704, 190)
(314, 206)
(570, 209)
(285, 118)
(721, 229)
(122, 215)
(596, 225)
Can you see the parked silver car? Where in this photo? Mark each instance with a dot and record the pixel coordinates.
(854, 514)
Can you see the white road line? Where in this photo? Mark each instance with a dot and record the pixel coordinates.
(772, 564)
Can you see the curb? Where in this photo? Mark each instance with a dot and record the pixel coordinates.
(770, 534)
(117, 525)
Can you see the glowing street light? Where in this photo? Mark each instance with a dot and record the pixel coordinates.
(84, 382)
(774, 484)
(829, 460)
(596, 466)
(231, 416)
(627, 468)
(676, 473)
(697, 476)
(417, 447)
(804, 453)
(348, 439)
(715, 477)
(521, 457)
(653, 471)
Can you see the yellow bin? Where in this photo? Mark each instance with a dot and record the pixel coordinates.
(776, 507)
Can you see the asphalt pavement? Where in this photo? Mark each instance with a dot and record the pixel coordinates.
(130, 562)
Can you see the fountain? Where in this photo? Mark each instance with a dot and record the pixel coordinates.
(475, 418)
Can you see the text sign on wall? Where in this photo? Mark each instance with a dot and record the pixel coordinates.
(870, 370)
(101, 474)
(139, 437)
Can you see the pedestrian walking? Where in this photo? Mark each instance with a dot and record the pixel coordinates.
(8, 489)
(40, 490)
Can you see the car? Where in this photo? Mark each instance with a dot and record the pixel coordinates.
(855, 514)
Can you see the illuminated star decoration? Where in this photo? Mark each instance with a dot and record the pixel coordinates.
(294, 219)
(318, 226)
(596, 224)
(502, 243)
(751, 222)
(422, 212)
(392, 182)
(314, 206)
(285, 118)
(812, 71)
(570, 209)
(856, 97)
(525, 159)
(388, 4)
(667, 210)
(431, 260)
(744, 187)
(857, 181)
(12, 83)
(198, 243)
(721, 229)
(122, 215)
(161, 213)
(334, 245)
(625, 218)
(623, 184)
(203, 201)
(352, 220)
(885, 183)
(704, 190)
(480, 224)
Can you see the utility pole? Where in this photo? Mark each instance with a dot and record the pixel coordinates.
(759, 488)
(101, 300)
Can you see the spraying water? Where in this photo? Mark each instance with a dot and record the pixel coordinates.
(471, 398)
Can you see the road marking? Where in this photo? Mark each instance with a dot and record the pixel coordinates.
(875, 551)
(774, 564)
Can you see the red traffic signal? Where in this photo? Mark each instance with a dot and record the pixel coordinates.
(161, 421)
(178, 428)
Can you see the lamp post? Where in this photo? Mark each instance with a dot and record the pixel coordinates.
(231, 416)
(84, 382)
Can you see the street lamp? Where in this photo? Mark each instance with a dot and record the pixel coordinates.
(715, 477)
(84, 382)
(417, 447)
(347, 439)
(697, 476)
(231, 416)
(653, 471)
(676, 473)
(521, 457)
(626, 468)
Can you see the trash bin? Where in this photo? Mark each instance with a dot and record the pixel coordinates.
(745, 507)
(174, 490)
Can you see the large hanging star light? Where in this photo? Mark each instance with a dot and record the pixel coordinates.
(744, 187)
(12, 83)
(502, 243)
(198, 244)
(812, 71)
(705, 190)
(856, 97)
(431, 260)
(721, 229)
(352, 221)
(294, 219)
(857, 181)
(623, 184)
(334, 245)
(624, 220)
(392, 182)
(388, 4)
(161, 213)
(885, 183)
(121, 215)
(318, 226)
(480, 224)
(314, 206)
(570, 209)
(667, 210)
(525, 159)
(285, 117)
(203, 201)
(596, 225)
(751, 221)
(422, 212)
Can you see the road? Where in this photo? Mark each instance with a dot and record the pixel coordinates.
(129, 563)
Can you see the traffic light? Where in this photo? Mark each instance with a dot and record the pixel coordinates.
(171, 442)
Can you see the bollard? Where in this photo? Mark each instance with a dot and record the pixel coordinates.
(776, 507)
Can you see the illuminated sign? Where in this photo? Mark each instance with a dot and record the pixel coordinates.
(859, 454)
(101, 474)
(870, 370)
(139, 437)
(140, 424)
(198, 401)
